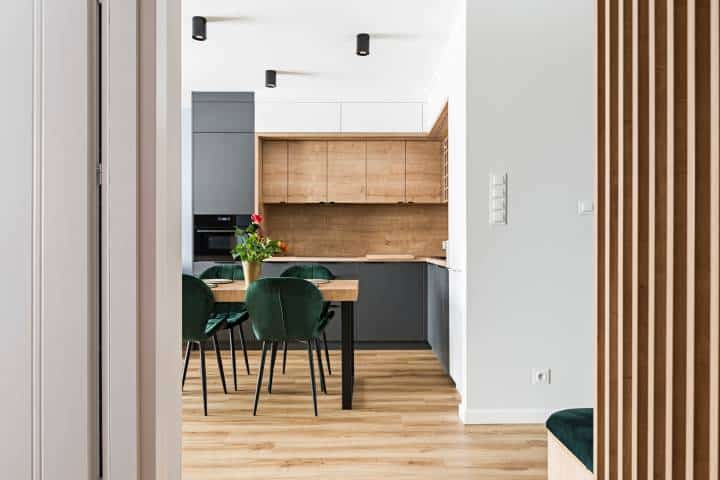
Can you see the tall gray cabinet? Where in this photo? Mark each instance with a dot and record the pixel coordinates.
(223, 159)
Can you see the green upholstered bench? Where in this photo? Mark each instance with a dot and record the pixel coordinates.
(570, 444)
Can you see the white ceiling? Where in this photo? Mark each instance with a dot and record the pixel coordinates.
(311, 43)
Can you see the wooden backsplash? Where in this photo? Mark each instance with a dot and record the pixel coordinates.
(358, 230)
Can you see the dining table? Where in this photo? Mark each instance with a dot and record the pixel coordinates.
(346, 293)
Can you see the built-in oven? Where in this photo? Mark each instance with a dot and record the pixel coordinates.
(214, 235)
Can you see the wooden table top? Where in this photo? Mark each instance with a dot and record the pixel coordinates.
(333, 291)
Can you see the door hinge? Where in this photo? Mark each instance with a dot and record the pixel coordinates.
(98, 173)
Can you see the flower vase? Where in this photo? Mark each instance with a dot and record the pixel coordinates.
(251, 271)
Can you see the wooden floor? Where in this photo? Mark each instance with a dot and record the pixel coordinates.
(404, 426)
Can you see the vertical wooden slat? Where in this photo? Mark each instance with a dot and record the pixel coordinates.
(658, 237)
(677, 243)
(600, 180)
(611, 241)
(670, 227)
(625, 257)
(699, 345)
(652, 196)
(639, 292)
(690, 241)
(714, 370)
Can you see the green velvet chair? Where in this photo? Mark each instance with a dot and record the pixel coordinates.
(310, 271)
(236, 312)
(200, 323)
(285, 309)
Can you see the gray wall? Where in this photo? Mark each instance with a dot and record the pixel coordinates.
(530, 283)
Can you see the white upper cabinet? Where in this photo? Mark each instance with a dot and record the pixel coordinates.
(338, 117)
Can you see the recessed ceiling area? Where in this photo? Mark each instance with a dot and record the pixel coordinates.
(311, 44)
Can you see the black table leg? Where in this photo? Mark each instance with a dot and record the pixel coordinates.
(348, 354)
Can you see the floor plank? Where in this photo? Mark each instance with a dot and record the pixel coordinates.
(404, 424)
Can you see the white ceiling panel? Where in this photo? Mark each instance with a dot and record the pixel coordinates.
(311, 43)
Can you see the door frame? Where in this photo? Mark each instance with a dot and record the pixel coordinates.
(141, 220)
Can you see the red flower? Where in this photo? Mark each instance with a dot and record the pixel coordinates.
(256, 218)
(283, 247)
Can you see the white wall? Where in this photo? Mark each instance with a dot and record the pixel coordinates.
(16, 171)
(449, 85)
(530, 283)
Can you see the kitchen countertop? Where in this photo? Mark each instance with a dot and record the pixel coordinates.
(387, 258)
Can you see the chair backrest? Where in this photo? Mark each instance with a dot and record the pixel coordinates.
(197, 306)
(229, 271)
(284, 308)
(308, 271)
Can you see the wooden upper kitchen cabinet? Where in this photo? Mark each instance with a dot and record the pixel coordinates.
(346, 171)
(385, 171)
(423, 172)
(275, 172)
(307, 171)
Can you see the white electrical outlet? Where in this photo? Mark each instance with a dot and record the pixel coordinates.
(540, 376)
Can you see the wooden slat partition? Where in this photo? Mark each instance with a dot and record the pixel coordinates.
(714, 369)
(658, 240)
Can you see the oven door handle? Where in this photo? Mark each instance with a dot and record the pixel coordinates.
(200, 230)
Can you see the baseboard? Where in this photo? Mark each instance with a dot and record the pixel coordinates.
(517, 416)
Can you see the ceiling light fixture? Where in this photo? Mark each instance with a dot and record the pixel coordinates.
(199, 25)
(363, 44)
(270, 78)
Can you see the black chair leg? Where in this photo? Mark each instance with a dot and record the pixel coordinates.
(284, 355)
(242, 345)
(273, 356)
(219, 362)
(312, 377)
(259, 377)
(188, 349)
(204, 378)
(327, 354)
(323, 388)
(231, 336)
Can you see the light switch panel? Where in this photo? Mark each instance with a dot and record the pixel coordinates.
(498, 204)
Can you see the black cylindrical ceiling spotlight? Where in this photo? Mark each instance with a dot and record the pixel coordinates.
(363, 44)
(199, 28)
(270, 78)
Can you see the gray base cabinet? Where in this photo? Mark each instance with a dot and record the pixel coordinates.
(391, 303)
(438, 313)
